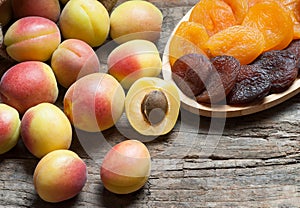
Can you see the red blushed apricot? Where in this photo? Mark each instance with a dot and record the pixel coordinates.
(28, 84)
(32, 38)
(126, 167)
(94, 102)
(72, 60)
(132, 60)
(59, 175)
(49, 9)
(9, 127)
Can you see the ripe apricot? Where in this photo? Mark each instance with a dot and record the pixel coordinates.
(215, 15)
(273, 21)
(190, 37)
(242, 42)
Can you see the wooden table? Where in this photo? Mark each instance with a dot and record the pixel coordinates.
(251, 161)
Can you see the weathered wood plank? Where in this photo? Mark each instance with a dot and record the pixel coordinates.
(251, 161)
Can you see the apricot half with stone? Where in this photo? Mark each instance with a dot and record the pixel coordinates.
(152, 106)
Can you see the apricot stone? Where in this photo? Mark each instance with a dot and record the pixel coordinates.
(49, 9)
(126, 167)
(72, 60)
(133, 60)
(135, 20)
(95, 102)
(9, 127)
(152, 106)
(45, 128)
(32, 39)
(27, 84)
(87, 20)
(60, 175)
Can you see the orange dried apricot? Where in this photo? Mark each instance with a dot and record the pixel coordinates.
(215, 15)
(239, 9)
(190, 37)
(251, 3)
(294, 7)
(242, 42)
(273, 21)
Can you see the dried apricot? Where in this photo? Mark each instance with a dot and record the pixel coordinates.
(239, 9)
(273, 21)
(190, 73)
(294, 48)
(294, 7)
(252, 84)
(189, 37)
(215, 15)
(221, 81)
(242, 42)
(281, 65)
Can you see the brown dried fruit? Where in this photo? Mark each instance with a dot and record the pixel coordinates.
(294, 48)
(252, 84)
(189, 73)
(221, 80)
(281, 66)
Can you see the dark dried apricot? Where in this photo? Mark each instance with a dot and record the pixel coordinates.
(294, 48)
(190, 72)
(221, 80)
(252, 84)
(281, 66)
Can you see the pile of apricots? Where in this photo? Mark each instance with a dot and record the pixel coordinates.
(261, 35)
(53, 45)
(240, 28)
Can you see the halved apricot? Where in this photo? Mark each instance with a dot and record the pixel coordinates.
(242, 42)
(273, 21)
(190, 37)
(215, 15)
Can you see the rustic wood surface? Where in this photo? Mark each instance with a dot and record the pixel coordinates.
(251, 161)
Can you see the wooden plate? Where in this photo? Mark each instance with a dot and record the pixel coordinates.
(224, 110)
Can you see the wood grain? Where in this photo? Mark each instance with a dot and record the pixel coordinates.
(254, 163)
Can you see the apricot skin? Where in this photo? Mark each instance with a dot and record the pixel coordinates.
(36, 134)
(126, 167)
(133, 60)
(72, 60)
(32, 39)
(135, 20)
(95, 102)
(86, 20)
(60, 175)
(49, 9)
(9, 127)
(27, 84)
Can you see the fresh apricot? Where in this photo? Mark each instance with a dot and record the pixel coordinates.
(190, 37)
(273, 21)
(215, 15)
(242, 42)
